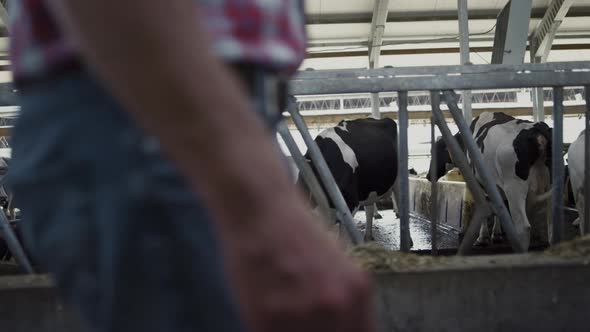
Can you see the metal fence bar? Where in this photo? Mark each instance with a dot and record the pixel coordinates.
(488, 182)
(460, 160)
(557, 166)
(587, 164)
(463, 13)
(435, 101)
(403, 173)
(326, 177)
(440, 82)
(442, 70)
(14, 245)
(305, 170)
(538, 105)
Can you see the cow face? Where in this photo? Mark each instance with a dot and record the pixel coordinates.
(532, 145)
(302, 185)
(443, 158)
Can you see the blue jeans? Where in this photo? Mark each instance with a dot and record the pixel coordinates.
(126, 239)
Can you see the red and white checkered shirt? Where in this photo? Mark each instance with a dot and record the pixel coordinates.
(268, 32)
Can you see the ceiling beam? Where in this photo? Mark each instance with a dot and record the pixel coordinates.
(512, 30)
(438, 50)
(542, 37)
(463, 11)
(380, 11)
(419, 16)
(392, 42)
(541, 42)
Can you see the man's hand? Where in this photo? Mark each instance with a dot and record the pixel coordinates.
(154, 56)
(291, 276)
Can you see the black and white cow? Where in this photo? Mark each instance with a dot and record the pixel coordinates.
(576, 173)
(362, 156)
(518, 155)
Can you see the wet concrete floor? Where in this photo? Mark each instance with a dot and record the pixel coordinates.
(386, 233)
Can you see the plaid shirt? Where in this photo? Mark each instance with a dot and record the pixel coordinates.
(268, 32)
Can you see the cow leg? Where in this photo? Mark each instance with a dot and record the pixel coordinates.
(516, 193)
(580, 206)
(497, 231)
(376, 214)
(576, 221)
(369, 212)
(484, 234)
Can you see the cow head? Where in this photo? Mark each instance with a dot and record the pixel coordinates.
(443, 158)
(531, 146)
(300, 182)
(545, 144)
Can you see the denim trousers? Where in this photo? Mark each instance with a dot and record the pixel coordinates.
(128, 242)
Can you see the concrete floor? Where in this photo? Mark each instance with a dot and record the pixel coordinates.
(386, 232)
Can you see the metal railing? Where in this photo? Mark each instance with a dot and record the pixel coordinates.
(362, 102)
(446, 79)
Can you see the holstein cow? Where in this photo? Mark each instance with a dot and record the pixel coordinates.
(362, 156)
(518, 155)
(576, 170)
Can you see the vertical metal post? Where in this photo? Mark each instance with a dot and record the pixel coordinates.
(375, 104)
(538, 104)
(586, 220)
(463, 13)
(557, 166)
(14, 245)
(403, 173)
(486, 178)
(305, 170)
(327, 178)
(435, 101)
(464, 49)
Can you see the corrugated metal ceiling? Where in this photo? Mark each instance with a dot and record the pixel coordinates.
(335, 21)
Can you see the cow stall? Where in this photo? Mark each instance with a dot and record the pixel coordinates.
(472, 293)
(441, 81)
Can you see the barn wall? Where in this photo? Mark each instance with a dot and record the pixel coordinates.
(507, 293)
(30, 304)
(504, 297)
